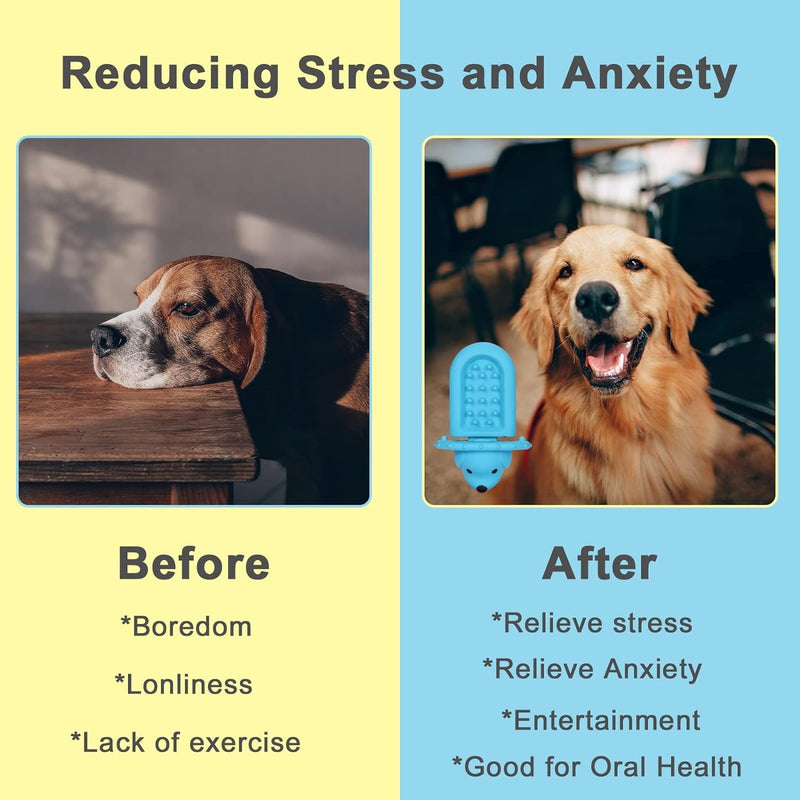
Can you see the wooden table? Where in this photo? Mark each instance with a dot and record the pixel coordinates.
(87, 441)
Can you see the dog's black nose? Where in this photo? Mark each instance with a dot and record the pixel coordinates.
(105, 339)
(597, 300)
(481, 489)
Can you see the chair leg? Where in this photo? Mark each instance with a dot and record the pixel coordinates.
(479, 310)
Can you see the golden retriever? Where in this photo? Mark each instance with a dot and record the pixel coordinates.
(626, 417)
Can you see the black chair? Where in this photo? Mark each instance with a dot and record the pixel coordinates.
(739, 155)
(530, 192)
(718, 232)
(751, 158)
(447, 255)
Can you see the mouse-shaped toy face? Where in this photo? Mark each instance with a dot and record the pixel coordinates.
(482, 468)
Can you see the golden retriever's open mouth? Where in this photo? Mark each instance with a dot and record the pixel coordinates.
(608, 363)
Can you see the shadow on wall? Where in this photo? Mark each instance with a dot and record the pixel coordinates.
(98, 215)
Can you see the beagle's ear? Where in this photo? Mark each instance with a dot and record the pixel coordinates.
(257, 327)
(533, 321)
(146, 287)
(686, 301)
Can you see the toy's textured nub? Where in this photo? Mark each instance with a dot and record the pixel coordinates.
(482, 392)
(483, 396)
(483, 411)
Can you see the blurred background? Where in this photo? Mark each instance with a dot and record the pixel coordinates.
(96, 216)
(494, 206)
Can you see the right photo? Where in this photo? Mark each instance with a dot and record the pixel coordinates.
(600, 321)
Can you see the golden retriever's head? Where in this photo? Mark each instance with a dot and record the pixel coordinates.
(601, 296)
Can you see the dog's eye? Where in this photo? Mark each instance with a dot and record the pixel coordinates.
(494, 472)
(565, 272)
(186, 309)
(634, 265)
(469, 471)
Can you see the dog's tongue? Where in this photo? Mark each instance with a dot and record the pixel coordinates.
(607, 356)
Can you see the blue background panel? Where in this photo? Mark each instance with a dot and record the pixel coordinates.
(731, 570)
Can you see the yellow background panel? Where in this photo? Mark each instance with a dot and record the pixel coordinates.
(323, 656)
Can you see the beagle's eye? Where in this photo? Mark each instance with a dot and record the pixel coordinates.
(565, 272)
(634, 265)
(186, 309)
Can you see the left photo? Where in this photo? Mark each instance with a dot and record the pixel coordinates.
(193, 321)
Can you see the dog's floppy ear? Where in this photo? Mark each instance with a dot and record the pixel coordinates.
(686, 301)
(257, 327)
(533, 321)
(146, 287)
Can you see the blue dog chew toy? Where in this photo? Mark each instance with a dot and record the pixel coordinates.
(483, 410)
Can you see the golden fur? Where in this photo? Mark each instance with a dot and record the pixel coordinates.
(645, 435)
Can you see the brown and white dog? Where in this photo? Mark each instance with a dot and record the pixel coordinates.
(299, 352)
(626, 417)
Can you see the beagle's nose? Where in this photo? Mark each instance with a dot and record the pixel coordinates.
(105, 339)
(597, 300)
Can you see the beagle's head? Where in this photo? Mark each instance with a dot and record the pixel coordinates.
(199, 319)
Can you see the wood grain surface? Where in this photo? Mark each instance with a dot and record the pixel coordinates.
(73, 427)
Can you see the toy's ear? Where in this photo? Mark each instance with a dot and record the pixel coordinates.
(533, 321)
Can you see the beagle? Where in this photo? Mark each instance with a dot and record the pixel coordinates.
(297, 350)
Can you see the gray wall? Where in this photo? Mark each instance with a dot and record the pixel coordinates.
(96, 216)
